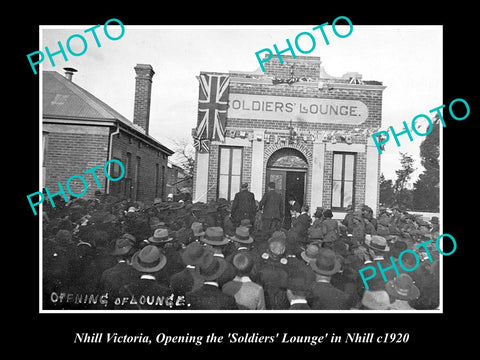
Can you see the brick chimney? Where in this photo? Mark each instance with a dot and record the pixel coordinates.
(143, 93)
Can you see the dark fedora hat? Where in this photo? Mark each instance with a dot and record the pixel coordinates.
(214, 236)
(213, 269)
(402, 287)
(149, 259)
(242, 235)
(122, 246)
(326, 262)
(195, 254)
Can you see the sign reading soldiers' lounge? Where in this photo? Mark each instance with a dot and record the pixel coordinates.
(294, 125)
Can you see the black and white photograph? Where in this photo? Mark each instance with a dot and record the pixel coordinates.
(255, 178)
(269, 184)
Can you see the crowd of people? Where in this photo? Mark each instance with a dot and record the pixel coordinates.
(115, 254)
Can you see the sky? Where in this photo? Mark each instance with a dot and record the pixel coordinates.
(406, 59)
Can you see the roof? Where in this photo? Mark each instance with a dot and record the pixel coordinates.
(63, 99)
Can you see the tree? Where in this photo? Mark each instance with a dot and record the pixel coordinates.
(403, 196)
(184, 155)
(426, 190)
(387, 195)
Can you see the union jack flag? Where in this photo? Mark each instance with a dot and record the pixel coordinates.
(202, 145)
(212, 106)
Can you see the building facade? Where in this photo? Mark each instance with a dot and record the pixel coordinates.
(80, 131)
(304, 130)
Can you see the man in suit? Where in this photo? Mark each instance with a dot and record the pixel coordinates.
(302, 224)
(189, 279)
(209, 296)
(248, 294)
(243, 206)
(146, 293)
(324, 295)
(122, 273)
(273, 211)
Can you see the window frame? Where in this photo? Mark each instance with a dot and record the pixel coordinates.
(343, 206)
(230, 155)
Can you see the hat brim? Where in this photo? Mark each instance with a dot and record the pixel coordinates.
(304, 256)
(221, 269)
(137, 266)
(367, 243)
(214, 243)
(413, 294)
(248, 241)
(152, 240)
(336, 268)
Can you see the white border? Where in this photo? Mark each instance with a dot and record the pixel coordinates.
(439, 310)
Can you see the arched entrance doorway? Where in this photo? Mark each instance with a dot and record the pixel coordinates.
(288, 168)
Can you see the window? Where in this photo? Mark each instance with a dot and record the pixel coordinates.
(343, 180)
(229, 172)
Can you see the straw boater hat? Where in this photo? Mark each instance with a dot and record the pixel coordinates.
(377, 243)
(326, 262)
(195, 254)
(214, 236)
(402, 288)
(212, 269)
(242, 235)
(160, 236)
(149, 259)
(310, 253)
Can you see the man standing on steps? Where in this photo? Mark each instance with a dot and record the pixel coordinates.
(243, 206)
(273, 211)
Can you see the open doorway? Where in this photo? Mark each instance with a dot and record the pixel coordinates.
(288, 169)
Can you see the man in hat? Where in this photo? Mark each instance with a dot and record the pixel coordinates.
(189, 278)
(248, 294)
(299, 285)
(146, 293)
(215, 240)
(209, 296)
(378, 249)
(243, 205)
(318, 215)
(273, 211)
(302, 224)
(122, 273)
(402, 290)
(295, 209)
(324, 295)
(163, 240)
(329, 227)
(273, 272)
(348, 219)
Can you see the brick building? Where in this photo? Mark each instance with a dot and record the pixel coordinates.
(80, 131)
(301, 128)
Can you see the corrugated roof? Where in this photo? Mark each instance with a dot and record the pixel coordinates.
(63, 99)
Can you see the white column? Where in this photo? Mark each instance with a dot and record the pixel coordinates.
(317, 174)
(371, 176)
(201, 178)
(257, 164)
